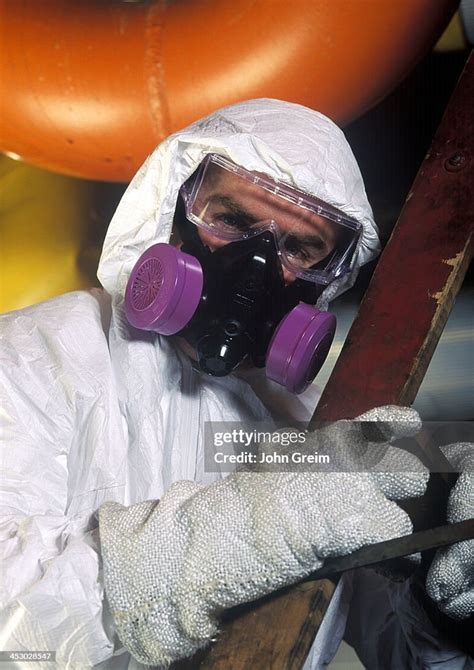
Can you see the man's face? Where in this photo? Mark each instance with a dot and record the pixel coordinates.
(232, 204)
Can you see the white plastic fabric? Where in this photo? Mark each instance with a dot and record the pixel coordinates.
(84, 422)
(92, 412)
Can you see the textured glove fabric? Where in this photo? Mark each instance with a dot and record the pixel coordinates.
(171, 567)
(450, 580)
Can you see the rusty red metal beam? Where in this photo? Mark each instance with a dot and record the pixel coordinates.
(402, 316)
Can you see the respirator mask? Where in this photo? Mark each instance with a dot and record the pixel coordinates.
(275, 249)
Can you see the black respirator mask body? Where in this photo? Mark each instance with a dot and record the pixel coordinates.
(231, 304)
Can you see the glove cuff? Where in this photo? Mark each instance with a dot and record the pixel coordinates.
(146, 621)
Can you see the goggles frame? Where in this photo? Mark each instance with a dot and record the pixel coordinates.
(334, 265)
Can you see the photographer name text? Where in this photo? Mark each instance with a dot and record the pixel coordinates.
(296, 457)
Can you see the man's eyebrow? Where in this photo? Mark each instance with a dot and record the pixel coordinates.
(307, 240)
(233, 206)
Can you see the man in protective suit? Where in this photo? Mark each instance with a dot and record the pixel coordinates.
(103, 473)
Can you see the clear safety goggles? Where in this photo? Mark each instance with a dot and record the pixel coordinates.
(316, 241)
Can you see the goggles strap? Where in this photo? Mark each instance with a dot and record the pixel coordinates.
(186, 229)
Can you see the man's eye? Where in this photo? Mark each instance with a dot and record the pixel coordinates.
(309, 254)
(231, 221)
(294, 248)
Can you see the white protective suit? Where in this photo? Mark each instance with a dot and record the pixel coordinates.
(92, 413)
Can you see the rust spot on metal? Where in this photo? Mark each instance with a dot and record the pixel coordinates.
(453, 262)
(456, 260)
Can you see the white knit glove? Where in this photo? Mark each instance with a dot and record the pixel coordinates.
(171, 567)
(450, 579)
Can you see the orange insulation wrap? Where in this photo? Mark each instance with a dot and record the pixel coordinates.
(90, 88)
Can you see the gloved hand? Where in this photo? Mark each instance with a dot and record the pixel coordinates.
(450, 579)
(172, 566)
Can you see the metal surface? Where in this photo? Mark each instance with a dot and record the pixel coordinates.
(424, 540)
(90, 88)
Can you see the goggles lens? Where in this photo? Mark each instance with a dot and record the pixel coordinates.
(315, 240)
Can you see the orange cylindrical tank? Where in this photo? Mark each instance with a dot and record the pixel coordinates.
(90, 88)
